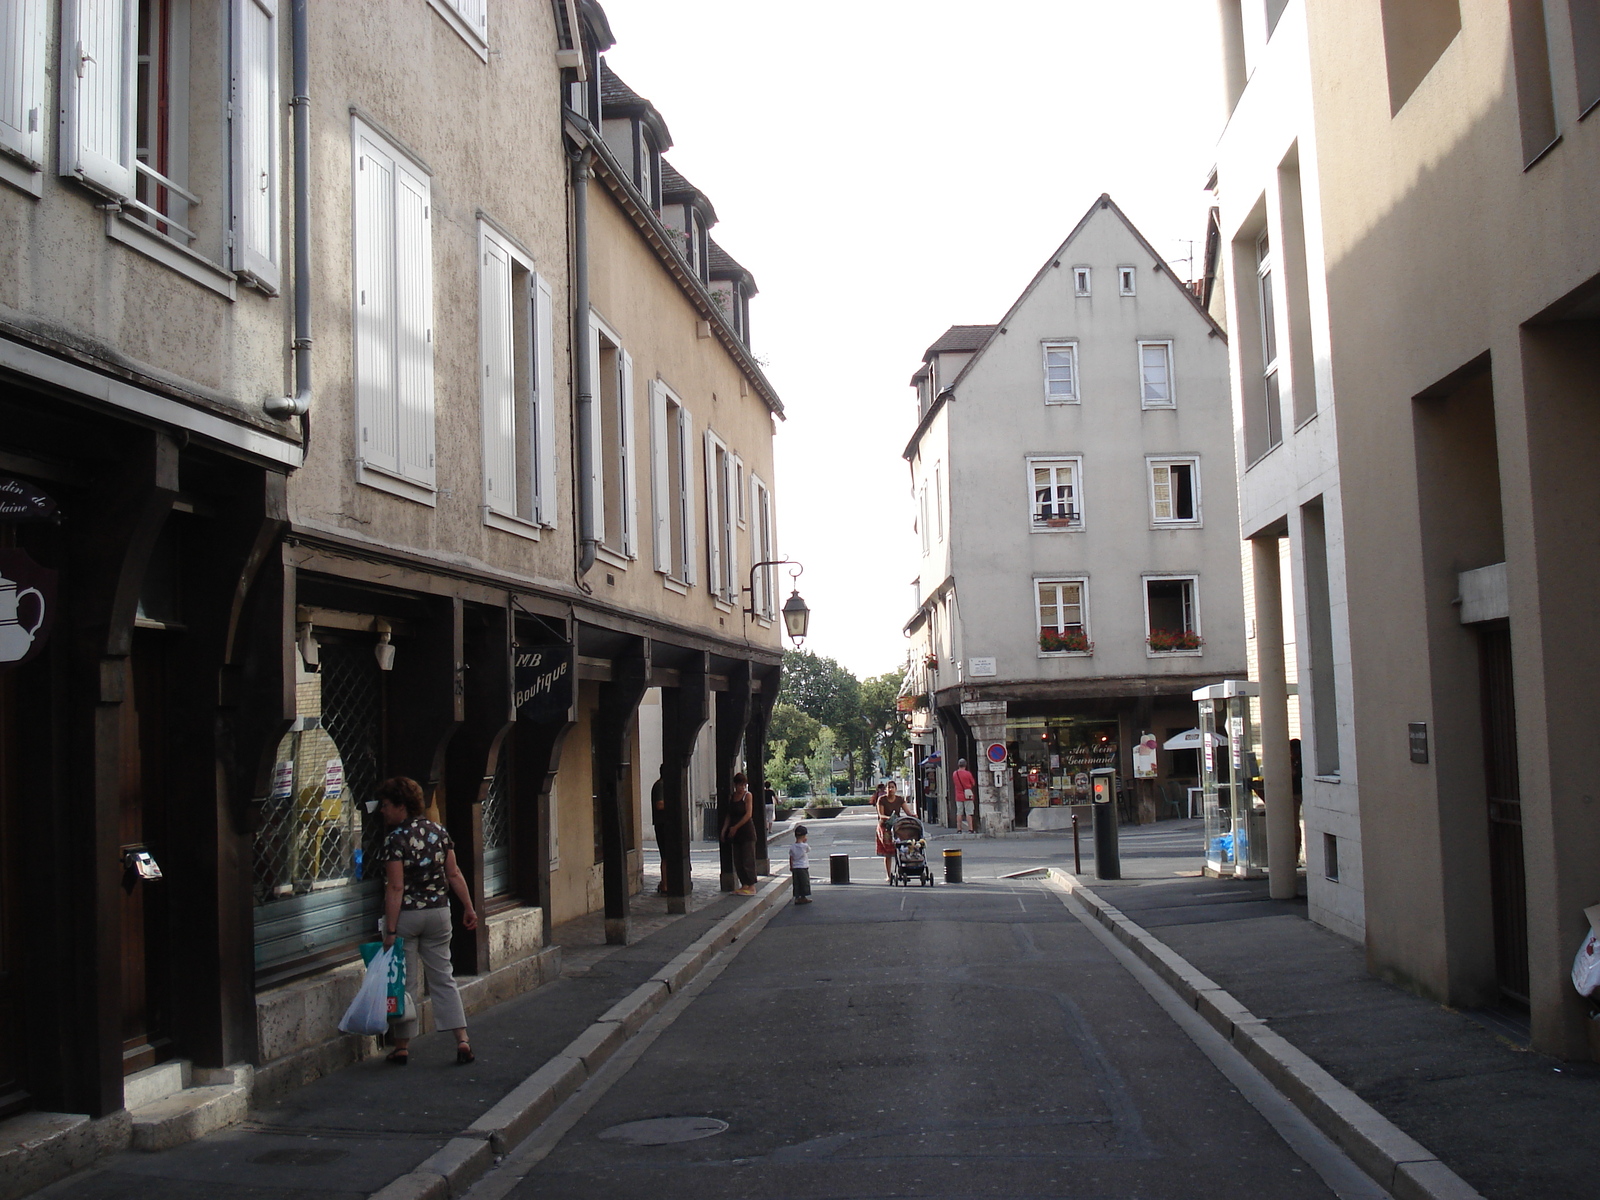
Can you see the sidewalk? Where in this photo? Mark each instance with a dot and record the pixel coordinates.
(351, 1133)
(1514, 1124)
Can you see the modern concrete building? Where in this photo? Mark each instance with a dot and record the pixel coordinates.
(1073, 469)
(393, 432)
(1268, 239)
(1437, 158)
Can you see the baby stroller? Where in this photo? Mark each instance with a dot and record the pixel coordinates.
(910, 853)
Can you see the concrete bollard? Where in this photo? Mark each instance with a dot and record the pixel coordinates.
(952, 866)
(838, 868)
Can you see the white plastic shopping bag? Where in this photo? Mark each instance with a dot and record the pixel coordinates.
(369, 1011)
(1586, 967)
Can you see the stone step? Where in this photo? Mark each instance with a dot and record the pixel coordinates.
(187, 1115)
(38, 1148)
(154, 1083)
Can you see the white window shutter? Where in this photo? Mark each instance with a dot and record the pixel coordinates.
(660, 479)
(377, 418)
(98, 42)
(627, 464)
(1161, 487)
(257, 221)
(597, 450)
(685, 498)
(730, 539)
(769, 525)
(413, 278)
(499, 380)
(22, 79)
(545, 417)
(713, 517)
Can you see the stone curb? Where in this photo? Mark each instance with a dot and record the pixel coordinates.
(1395, 1160)
(452, 1170)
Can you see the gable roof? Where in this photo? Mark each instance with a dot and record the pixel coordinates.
(722, 265)
(1105, 202)
(617, 97)
(959, 338)
(675, 189)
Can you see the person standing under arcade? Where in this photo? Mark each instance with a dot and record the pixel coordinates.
(965, 785)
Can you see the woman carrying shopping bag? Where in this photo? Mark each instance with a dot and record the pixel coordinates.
(420, 872)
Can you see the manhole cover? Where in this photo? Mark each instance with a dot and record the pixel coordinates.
(290, 1157)
(662, 1131)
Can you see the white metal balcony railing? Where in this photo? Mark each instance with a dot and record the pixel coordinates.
(145, 212)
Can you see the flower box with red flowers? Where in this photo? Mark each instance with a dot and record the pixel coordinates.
(1065, 641)
(1174, 641)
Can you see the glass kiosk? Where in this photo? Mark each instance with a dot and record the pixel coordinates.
(1235, 815)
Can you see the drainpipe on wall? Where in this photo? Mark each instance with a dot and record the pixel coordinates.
(299, 405)
(583, 368)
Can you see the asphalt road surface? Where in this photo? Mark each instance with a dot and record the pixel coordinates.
(973, 1040)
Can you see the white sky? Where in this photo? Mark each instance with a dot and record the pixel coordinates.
(886, 169)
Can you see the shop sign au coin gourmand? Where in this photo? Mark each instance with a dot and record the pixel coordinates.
(27, 590)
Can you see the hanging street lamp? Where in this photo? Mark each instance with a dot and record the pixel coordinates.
(796, 615)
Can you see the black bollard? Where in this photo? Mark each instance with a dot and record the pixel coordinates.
(838, 868)
(952, 866)
(1107, 858)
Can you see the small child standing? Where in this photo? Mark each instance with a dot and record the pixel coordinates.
(800, 866)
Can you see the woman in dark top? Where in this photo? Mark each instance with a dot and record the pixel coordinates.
(420, 872)
(739, 830)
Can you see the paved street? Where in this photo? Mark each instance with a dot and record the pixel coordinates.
(956, 1041)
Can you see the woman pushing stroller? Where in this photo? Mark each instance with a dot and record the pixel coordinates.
(890, 804)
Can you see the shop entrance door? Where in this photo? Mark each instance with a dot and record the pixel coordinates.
(146, 1006)
(1507, 883)
(13, 1093)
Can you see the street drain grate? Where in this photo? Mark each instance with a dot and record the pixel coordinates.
(663, 1131)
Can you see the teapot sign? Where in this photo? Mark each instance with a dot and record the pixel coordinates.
(27, 607)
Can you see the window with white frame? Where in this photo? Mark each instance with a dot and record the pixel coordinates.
(126, 132)
(722, 548)
(612, 448)
(672, 484)
(1172, 619)
(923, 526)
(393, 317)
(1055, 493)
(1155, 375)
(938, 501)
(470, 19)
(1080, 281)
(763, 548)
(1174, 491)
(1061, 372)
(23, 30)
(1125, 280)
(741, 502)
(516, 345)
(1062, 606)
(1269, 339)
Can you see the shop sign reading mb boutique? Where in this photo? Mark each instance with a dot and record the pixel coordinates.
(542, 679)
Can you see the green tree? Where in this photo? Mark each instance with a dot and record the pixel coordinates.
(819, 763)
(879, 708)
(797, 729)
(825, 691)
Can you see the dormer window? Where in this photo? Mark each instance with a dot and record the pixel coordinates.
(647, 169)
(697, 247)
